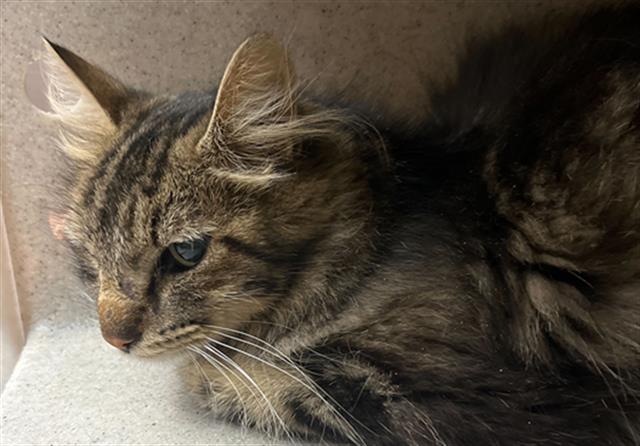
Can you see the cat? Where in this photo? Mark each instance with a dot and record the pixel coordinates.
(472, 280)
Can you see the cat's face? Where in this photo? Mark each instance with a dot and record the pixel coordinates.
(185, 219)
(169, 244)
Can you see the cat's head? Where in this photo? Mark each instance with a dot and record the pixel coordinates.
(204, 210)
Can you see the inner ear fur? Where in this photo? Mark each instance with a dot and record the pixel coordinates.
(88, 102)
(254, 100)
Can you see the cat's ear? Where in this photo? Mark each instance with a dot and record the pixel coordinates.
(258, 73)
(254, 101)
(76, 76)
(88, 102)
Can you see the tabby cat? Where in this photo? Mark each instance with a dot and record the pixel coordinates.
(473, 280)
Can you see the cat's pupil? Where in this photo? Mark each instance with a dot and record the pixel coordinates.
(190, 252)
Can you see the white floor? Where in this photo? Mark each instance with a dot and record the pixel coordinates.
(70, 387)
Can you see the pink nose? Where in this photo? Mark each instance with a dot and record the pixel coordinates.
(122, 344)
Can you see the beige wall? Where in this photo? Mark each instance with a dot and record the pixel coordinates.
(11, 333)
(374, 50)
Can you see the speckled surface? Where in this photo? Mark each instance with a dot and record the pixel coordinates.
(78, 390)
(377, 51)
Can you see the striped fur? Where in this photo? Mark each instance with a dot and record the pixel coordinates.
(473, 281)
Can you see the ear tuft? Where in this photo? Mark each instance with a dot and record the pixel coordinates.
(258, 120)
(256, 88)
(86, 101)
(259, 69)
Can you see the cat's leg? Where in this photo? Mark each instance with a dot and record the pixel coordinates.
(353, 390)
(285, 399)
(313, 396)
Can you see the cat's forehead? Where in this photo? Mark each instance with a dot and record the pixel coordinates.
(167, 118)
(137, 181)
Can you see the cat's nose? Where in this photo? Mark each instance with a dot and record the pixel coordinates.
(122, 344)
(122, 338)
(120, 317)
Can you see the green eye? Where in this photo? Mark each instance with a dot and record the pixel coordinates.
(188, 254)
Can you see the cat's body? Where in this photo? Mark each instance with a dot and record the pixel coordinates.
(471, 281)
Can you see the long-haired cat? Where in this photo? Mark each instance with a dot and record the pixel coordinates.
(473, 280)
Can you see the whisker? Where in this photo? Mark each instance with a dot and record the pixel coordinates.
(351, 432)
(219, 367)
(87, 297)
(270, 406)
(209, 359)
(274, 351)
(208, 410)
(318, 391)
(304, 374)
(290, 330)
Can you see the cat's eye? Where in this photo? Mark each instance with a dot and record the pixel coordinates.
(182, 256)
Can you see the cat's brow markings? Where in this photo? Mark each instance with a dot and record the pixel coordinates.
(153, 223)
(185, 125)
(111, 154)
(137, 170)
(245, 249)
(127, 170)
(137, 136)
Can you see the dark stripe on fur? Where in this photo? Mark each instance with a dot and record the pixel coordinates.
(187, 123)
(161, 130)
(126, 172)
(116, 149)
(305, 418)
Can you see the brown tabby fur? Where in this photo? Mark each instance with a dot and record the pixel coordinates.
(471, 281)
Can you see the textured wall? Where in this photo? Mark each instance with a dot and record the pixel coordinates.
(373, 50)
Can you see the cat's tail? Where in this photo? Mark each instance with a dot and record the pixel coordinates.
(565, 179)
